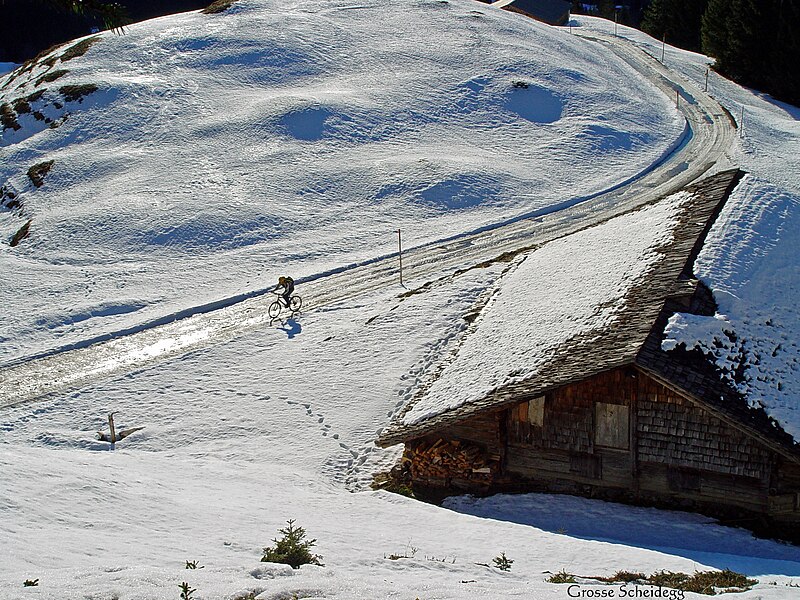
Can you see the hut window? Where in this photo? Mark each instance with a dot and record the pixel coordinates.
(525, 423)
(536, 411)
(611, 425)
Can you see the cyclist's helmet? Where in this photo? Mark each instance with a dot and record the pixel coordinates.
(282, 280)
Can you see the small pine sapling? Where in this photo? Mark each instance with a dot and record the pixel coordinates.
(31, 582)
(186, 591)
(502, 562)
(292, 549)
(192, 564)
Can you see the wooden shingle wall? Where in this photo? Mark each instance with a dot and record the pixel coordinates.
(672, 431)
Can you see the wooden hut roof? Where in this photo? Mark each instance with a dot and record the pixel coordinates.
(634, 337)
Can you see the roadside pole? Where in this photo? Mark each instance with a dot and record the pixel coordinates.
(400, 254)
(741, 124)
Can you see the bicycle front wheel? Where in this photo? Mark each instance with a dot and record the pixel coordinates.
(274, 309)
(295, 302)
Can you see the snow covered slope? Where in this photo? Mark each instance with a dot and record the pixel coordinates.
(187, 173)
(220, 151)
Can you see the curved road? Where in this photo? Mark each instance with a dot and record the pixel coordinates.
(710, 133)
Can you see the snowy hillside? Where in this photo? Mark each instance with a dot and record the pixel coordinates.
(220, 151)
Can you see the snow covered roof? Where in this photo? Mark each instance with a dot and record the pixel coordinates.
(592, 301)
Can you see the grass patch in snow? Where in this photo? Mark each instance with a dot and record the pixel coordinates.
(709, 583)
(79, 49)
(397, 480)
(8, 117)
(34, 96)
(21, 234)
(72, 93)
(8, 198)
(623, 577)
(561, 577)
(37, 172)
(51, 76)
(217, 7)
(22, 106)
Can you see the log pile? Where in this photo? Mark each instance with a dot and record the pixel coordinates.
(450, 460)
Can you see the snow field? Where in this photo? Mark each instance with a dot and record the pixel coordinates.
(187, 178)
(223, 150)
(242, 436)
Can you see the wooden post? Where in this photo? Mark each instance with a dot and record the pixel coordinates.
(663, 46)
(111, 427)
(400, 254)
(616, 12)
(706, 88)
(677, 99)
(741, 124)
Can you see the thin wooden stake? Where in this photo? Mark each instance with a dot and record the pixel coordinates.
(741, 124)
(111, 427)
(400, 254)
(663, 46)
(706, 88)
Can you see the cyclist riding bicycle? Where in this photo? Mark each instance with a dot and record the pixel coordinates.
(287, 283)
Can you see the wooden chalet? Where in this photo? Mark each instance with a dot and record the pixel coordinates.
(612, 415)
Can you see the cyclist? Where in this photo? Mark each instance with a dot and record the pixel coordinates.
(287, 283)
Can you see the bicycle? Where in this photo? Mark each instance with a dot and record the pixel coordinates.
(295, 302)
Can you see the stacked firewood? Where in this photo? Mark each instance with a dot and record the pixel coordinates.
(447, 459)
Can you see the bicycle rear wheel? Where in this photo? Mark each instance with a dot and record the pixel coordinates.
(274, 309)
(295, 302)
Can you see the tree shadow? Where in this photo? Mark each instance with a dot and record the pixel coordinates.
(688, 535)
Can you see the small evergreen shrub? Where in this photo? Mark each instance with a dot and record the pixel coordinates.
(292, 549)
(192, 564)
(30, 582)
(502, 562)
